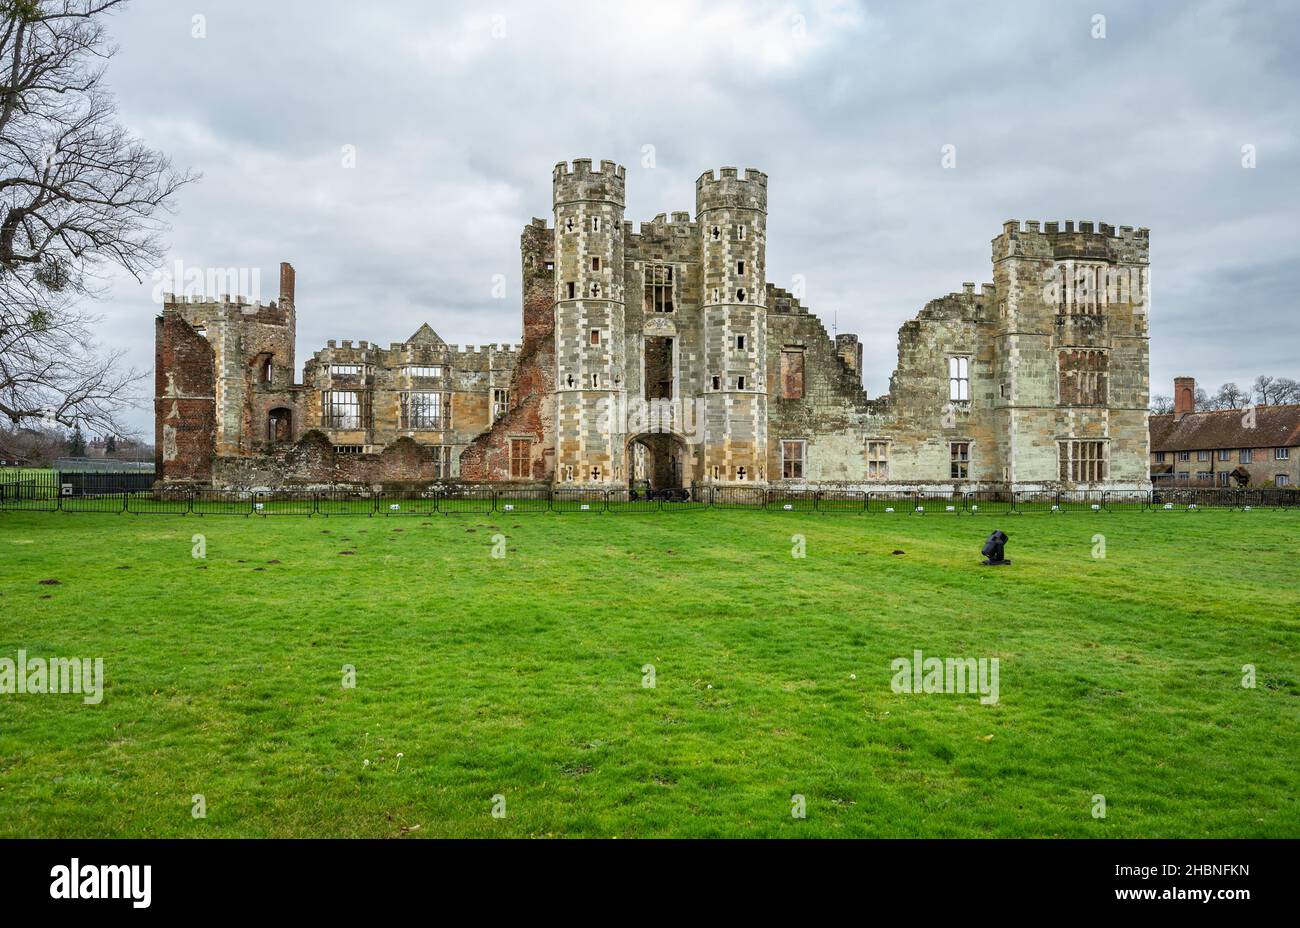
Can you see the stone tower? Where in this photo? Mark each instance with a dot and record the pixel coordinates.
(1071, 353)
(590, 388)
(731, 212)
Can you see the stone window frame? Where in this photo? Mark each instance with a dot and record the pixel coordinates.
(1281, 454)
(788, 463)
(425, 410)
(1202, 456)
(593, 339)
(740, 342)
(520, 464)
(1159, 456)
(1092, 387)
(346, 370)
(441, 462)
(740, 381)
(959, 366)
(595, 223)
(1084, 460)
(659, 288)
(1225, 455)
(1184, 456)
(334, 408)
(595, 262)
(803, 372)
(416, 370)
(878, 457)
(500, 402)
(740, 231)
(959, 467)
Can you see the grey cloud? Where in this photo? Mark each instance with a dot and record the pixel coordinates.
(456, 133)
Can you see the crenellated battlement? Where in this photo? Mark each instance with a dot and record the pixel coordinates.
(579, 181)
(1071, 239)
(729, 189)
(1073, 227)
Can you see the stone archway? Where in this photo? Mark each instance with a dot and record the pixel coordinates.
(279, 425)
(658, 461)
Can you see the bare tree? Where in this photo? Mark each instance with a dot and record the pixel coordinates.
(1286, 390)
(1264, 390)
(80, 197)
(1161, 405)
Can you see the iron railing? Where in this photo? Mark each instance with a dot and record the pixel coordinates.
(51, 492)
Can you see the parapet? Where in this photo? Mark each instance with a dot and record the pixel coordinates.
(730, 190)
(580, 181)
(1071, 238)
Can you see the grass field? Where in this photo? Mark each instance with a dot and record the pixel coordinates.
(523, 676)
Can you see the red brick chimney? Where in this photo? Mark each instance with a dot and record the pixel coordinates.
(287, 279)
(1184, 396)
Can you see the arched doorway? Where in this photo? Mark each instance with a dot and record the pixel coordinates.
(279, 425)
(658, 462)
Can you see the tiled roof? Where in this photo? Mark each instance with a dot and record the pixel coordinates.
(1274, 427)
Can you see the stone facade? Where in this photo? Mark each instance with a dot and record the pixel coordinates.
(660, 355)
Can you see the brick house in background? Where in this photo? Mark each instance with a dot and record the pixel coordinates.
(1258, 445)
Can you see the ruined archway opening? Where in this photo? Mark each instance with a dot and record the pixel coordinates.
(279, 425)
(658, 461)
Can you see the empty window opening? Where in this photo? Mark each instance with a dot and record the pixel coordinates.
(595, 263)
(279, 425)
(740, 268)
(740, 232)
(571, 289)
(717, 382)
(959, 452)
(595, 336)
(877, 460)
(520, 458)
(659, 288)
(740, 295)
(792, 459)
(428, 371)
(740, 382)
(740, 343)
(959, 380)
(422, 410)
(595, 223)
(268, 371)
(500, 403)
(658, 368)
(341, 409)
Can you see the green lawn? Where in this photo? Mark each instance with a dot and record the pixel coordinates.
(522, 676)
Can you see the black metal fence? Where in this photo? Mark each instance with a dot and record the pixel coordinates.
(133, 493)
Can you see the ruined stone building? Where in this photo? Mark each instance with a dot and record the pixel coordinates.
(660, 355)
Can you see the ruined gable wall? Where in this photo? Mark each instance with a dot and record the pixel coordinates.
(184, 401)
(833, 416)
(922, 421)
(532, 383)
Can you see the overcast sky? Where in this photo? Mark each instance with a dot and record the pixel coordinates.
(458, 113)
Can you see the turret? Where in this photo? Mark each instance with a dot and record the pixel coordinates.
(731, 212)
(589, 304)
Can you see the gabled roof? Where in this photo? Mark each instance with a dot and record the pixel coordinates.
(424, 335)
(1274, 427)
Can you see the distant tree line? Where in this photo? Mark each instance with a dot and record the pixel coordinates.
(1265, 391)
